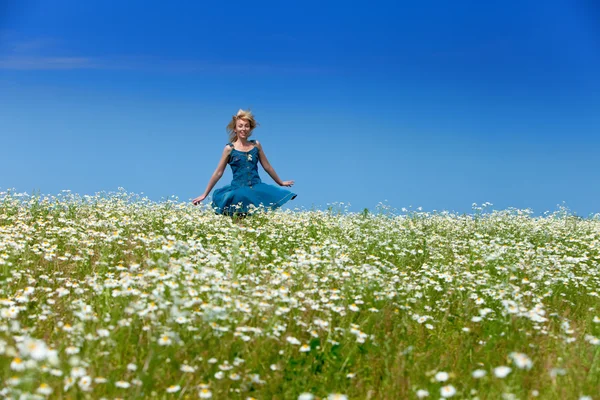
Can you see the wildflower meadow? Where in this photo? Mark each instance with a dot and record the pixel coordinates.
(116, 296)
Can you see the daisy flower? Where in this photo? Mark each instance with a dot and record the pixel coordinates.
(304, 348)
(122, 384)
(478, 373)
(337, 396)
(164, 340)
(447, 391)
(441, 376)
(521, 360)
(502, 371)
(173, 389)
(44, 390)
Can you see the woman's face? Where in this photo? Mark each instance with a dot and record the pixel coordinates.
(242, 128)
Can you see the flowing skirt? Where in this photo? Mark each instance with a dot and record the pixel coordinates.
(230, 200)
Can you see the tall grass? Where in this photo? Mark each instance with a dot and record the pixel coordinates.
(115, 296)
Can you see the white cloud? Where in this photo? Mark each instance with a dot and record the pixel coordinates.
(46, 54)
(31, 63)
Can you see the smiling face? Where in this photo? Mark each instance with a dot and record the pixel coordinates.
(242, 129)
(241, 126)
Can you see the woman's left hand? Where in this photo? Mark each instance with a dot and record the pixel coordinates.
(287, 183)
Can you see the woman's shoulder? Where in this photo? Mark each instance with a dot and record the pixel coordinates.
(256, 143)
(228, 148)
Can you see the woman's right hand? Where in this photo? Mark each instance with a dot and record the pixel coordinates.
(198, 199)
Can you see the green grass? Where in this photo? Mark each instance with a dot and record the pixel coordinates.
(115, 288)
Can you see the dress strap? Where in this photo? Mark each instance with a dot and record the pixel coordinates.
(230, 145)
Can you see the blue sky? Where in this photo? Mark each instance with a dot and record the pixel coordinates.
(433, 104)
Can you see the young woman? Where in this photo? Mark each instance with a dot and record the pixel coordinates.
(246, 189)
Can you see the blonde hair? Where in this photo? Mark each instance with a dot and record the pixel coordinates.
(241, 114)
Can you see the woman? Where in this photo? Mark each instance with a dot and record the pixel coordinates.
(246, 190)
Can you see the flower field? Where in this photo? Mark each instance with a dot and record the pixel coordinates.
(115, 296)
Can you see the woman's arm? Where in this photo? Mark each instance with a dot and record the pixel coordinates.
(216, 175)
(270, 170)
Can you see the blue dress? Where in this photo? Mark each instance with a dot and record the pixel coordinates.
(247, 189)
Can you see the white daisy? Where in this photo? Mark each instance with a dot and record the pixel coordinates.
(85, 383)
(164, 340)
(337, 396)
(502, 371)
(305, 348)
(173, 389)
(441, 376)
(521, 360)
(479, 373)
(447, 391)
(44, 389)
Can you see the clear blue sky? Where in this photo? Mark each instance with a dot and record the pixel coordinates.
(433, 104)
